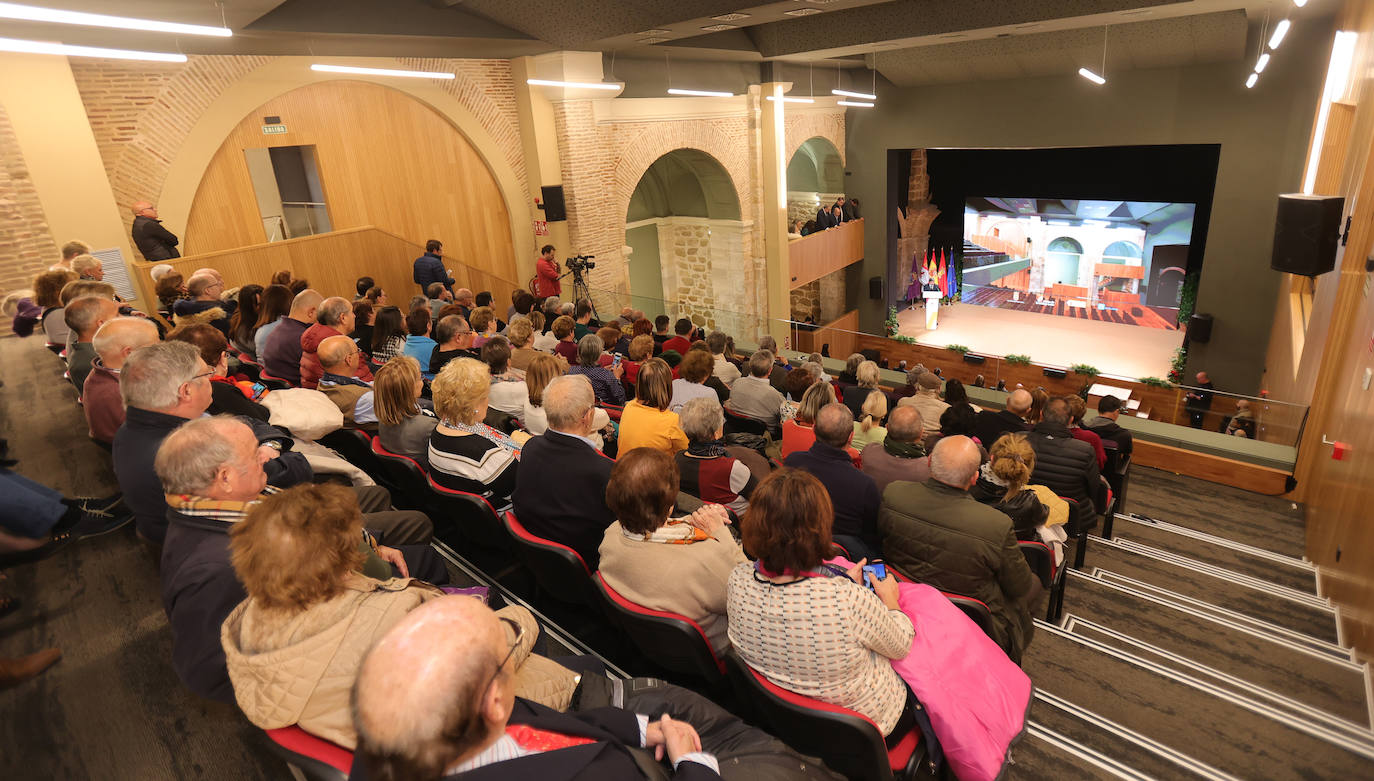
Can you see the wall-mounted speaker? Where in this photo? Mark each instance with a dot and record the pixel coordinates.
(555, 210)
(971, 358)
(1200, 328)
(875, 288)
(1306, 232)
(1056, 374)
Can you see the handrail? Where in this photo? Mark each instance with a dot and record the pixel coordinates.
(250, 247)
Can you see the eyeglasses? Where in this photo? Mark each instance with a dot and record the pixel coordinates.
(206, 373)
(519, 635)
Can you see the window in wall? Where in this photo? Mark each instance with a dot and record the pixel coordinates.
(286, 182)
(1061, 261)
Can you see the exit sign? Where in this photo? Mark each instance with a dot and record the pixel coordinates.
(272, 130)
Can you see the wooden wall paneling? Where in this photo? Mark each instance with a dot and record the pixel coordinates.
(812, 257)
(1214, 469)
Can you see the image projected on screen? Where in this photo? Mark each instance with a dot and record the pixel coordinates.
(1112, 261)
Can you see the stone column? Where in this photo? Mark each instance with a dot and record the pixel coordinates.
(773, 146)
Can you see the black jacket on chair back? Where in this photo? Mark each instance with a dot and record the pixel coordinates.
(1068, 467)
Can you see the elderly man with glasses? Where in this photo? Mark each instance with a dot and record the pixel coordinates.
(339, 357)
(205, 304)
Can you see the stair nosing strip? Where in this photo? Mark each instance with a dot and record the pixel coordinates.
(1096, 759)
(1268, 588)
(1224, 542)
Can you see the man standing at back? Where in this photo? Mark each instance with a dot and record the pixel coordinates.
(281, 356)
(546, 282)
(429, 267)
(154, 241)
(853, 493)
(989, 424)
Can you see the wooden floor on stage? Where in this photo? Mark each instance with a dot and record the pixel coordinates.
(1114, 348)
(1124, 314)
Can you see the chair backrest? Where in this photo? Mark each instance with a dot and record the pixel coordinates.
(274, 383)
(612, 411)
(559, 569)
(316, 758)
(850, 743)
(975, 609)
(1040, 559)
(403, 477)
(671, 640)
(736, 423)
(469, 516)
(356, 448)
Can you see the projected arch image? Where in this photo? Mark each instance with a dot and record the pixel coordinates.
(815, 176)
(685, 236)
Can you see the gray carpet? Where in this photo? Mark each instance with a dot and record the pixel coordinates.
(1262, 521)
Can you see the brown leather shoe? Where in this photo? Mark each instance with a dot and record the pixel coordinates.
(15, 671)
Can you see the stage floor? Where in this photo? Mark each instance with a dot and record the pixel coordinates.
(1121, 350)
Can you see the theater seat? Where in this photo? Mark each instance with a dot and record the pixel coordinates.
(612, 411)
(559, 570)
(736, 423)
(470, 516)
(315, 758)
(671, 640)
(1040, 558)
(976, 609)
(849, 742)
(273, 383)
(403, 477)
(356, 448)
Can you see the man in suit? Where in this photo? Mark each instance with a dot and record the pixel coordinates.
(479, 729)
(823, 220)
(989, 424)
(154, 241)
(429, 267)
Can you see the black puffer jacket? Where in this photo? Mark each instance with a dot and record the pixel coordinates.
(1024, 509)
(1069, 468)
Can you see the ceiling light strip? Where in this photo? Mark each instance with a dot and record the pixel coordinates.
(1091, 76)
(39, 47)
(853, 103)
(846, 93)
(30, 13)
(1280, 30)
(381, 71)
(700, 93)
(1262, 62)
(788, 99)
(1250, 82)
(572, 84)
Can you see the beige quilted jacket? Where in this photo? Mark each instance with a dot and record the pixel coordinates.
(299, 668)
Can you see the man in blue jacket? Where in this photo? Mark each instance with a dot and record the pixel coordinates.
(429, 267)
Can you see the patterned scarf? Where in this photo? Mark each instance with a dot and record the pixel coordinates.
(675, 532)
(486, 432)
(712, 449)
(214, 509)
(904, 449)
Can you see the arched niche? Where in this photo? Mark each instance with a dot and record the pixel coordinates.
(814, 174)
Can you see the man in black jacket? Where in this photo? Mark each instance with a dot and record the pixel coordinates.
(1105, 425)
(854, 494)
(429, 267)
(154, 241)
(1067, 466)
(989, 424)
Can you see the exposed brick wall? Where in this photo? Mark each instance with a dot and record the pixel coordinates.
(798, 126)
(26, 244)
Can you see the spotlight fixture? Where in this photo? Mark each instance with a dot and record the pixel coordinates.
(380, 71)
(1262, 63)
(1280, 30)
(572, 84)
(30, 13)
(854, 103)
(789, 99)
(1090, 76)
(846, 93)
(1250, 82)
(38, 47)
(700, 93)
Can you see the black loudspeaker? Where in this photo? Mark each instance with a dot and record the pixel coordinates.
(1055, 374)
(971, 358)
(1200, 328)
(555, 210)
(875, 288)
(1305, 234)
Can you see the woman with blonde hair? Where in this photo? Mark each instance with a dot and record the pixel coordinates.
(521, 333)
(1003, 484)
(647, 421)
(403, 424)
(465, 454)
(868, 427)
(866, 376)
(799, 433)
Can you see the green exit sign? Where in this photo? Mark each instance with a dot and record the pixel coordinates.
(272, 130)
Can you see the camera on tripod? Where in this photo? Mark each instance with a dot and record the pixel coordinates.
(580, 263)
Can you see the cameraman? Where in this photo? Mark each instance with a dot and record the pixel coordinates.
(546, 274)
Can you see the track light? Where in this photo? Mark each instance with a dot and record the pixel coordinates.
(789, 99)
(572, 84)
(1090, 76)
(848, 94)
(381, 71)
(1262, 62)
(1280, 30)
(854, 103)
(30, 13)
(36, 47)
(700, 93)
(1250, 82)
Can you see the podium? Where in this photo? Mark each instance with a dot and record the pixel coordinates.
(932, 298)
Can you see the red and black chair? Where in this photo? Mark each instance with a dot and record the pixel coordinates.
(558, 569)
(1040, 558)
(273, 383)
(468, 515)
(613, 411)
(673, 641)
(736, 423)
(1079, 532)
(976, 609)
(849, 743)
(355, 446)
(402, 476)
(316, 759)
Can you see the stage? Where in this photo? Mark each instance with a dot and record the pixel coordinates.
(1122, 350)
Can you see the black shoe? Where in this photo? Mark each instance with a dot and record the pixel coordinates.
(96, 521)
(59, 541)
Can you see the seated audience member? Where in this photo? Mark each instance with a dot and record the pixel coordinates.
(661, 333)
(1067, 466)
(927, 401)
(1039, 398)
(364, 284)
(334, 317)
(679, 565)
(419, 345)
(582, 319)
(868, 428)
(754, 396)
(563, 329)
(212, 470)
(464, 298)
(853, 494)
(956, 395)
(707, 468)
(1241, 424)
(574, 513)
(364, 315)
(535, 419)
(437, 297)
(465, 454)
(204, 304)
(606, 382)
(485, 299)
(799, 433)
(682, 342)
(377, 297)
(935, 533)
(866, 378)
(388, 334)
(909, 389)
(244, 321)
(283, 277)
(1003, 484)
(281, 355)
(900, 455)
(36, 521)
(694, 370)
(314, 607)
(84, 316)
(100, 398)
(543, 340)
(355, 398)
(614, 341)
(273, 307)
(722, 368)
(486, 730)
(87, 266)
(521, 304)
(403, 424)
(70, 251)
(169, 288)
(19, 305)
(1077, 410)
(1105, 425)
(850, 376)
(226, 398)
(483, 323)
(640, 350)
(990, 424)
(794, 387)
(508, 391)
(809, 632)
(454, 338)
(777, 376)
(47, 294)
(647, 421)
(956, 422)
(521, 334)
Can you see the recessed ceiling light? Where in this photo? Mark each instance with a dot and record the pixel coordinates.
(32, 14)
(652, 40)
(573, 84)
(40, 47)
(700, 93)
(715, 28)
(854, 103)
(803, 12)
(848, 94)
(381, 71)
(789, 99)
(1280, 30)
(1262, 62)
(730, 17)
(1090, 76)
(654, 31)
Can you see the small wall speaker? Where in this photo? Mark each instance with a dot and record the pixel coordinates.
(1057, 374)
(1200, 328)
(555, 209)
(971, 358)
(875, 288)
(1306, 232)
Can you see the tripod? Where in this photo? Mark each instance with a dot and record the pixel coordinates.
(581, 290)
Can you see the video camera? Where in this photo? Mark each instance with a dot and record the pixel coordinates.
(579, 263)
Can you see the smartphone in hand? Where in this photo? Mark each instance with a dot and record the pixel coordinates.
(873, 572)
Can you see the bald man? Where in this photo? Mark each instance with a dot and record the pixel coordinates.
(154, 241)
(281, 354)
(339, 357)
(853, 493)
(333, 317)
(901, 455)
(479, 729)
(991, 424)
(205, 304)
(936, 533)
(84, 316)
(100, 398)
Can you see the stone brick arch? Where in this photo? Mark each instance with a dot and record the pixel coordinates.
(640, 150)
(800, 126)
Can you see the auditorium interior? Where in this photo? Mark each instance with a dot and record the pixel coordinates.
(1157, 211)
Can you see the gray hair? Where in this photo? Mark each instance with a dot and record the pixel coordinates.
(152, 375)
(120, 333)
(816, 370)
(768, 343)
(589, 349)
(701, 419)
(851, 364)
(82, 312)
(954, 461)
(905, 424)
(189, 457)
(835, 424)
(332, 310)
(716, 341)
(567, 308)
(1057, 411)
(761, 363)
(567, 399)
